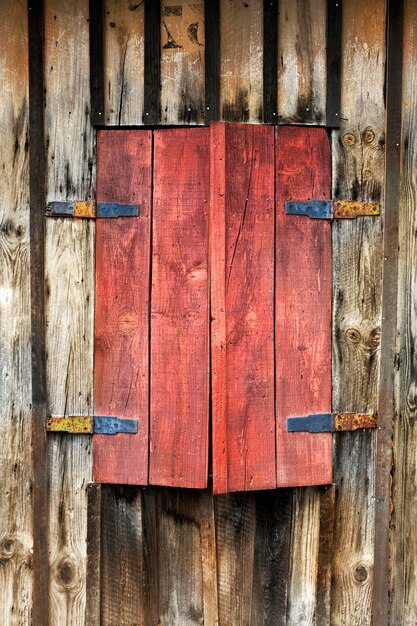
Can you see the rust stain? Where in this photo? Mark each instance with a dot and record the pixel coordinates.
(348, 209)
(84, 209)
(354, 421)
(72, 424)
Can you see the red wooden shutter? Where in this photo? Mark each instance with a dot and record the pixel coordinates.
(270, 288)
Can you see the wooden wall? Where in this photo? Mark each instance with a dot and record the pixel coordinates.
(123, 555)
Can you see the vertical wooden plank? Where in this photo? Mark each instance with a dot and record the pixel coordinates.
(270, 62)
(94, 542)
(241, 28)
(242, 307)
(271, 558)
(358, 162)
(182, 62)
(69, 266)
(212, 59)
(121, 342)
(152, 63)
(121, 556)
(15, 354)
(302, 61)
(403, 539)
(96, 37)
(179, 325)
(304, 556)
(324, 564)
(303, 302)
(235, 544)
(124, 49)
(186, 554)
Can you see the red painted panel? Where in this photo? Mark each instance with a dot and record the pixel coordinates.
(179, 323)
(242, 287)
(303, 307)
(122, 303)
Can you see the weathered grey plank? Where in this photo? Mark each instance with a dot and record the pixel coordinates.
(15, 356)
(302, 61)
(358, 160)
(182, 62)
(403, 592)
(241, 45)
(123, 62)
(69, 298)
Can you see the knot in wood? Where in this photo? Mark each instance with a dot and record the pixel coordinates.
(360, 573)
(368, 135)
(353, 335)
(7, 548)
(67, 574)
(349, 139)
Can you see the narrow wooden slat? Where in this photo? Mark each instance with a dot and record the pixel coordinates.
(403, 484)
(334, 62)
(242, 307)
(212, 59)
(96, 22)
(270, 61)
(152, 63)
(124, 49)
(16, 522)
(302, 61)
(271, 558)
(179, 326)
(121, 556)
(358, 161)
(303, 301)
(241, 28)
(122, 301)
(186, 556)
(182, 62)
(389, 330)
(324, 564)
(235, 518)
(37, 290)
(94, 542)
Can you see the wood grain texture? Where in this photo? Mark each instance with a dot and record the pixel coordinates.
(121, 343)
(358, 162)
(302, 61)
(403, 596)
(121, 556)
(15, 355)
(242, 286)
(235, 544)
(124, 31)
(179, 324)
(241, 27)
(303, 302)
(69, 267)
(182, 62)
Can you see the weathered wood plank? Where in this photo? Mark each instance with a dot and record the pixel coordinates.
(69, 267)
(302, 61)
(241, 28)
(94, 542)
(182, 62)
(235, 519)
(358, 159)
(179, 323)
(244, 293)
(15, 355)
(121, 556)
(185, 545)
(124, 31)
(121, 342)
(403, 591)
(303, 303)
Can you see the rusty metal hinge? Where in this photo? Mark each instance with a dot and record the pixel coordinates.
(333, 209)
(88, 425)
(331, 422)
(90, 209)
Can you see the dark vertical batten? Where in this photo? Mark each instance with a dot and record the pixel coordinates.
(212, 60)
(270, 62)
(96, 12)
(152, 81)
(40, 610)
(334, 62)
(386, 413)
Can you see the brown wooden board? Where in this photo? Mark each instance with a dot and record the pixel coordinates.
(242, 306)
(122, 303)
(303, 307)
(179, 325)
